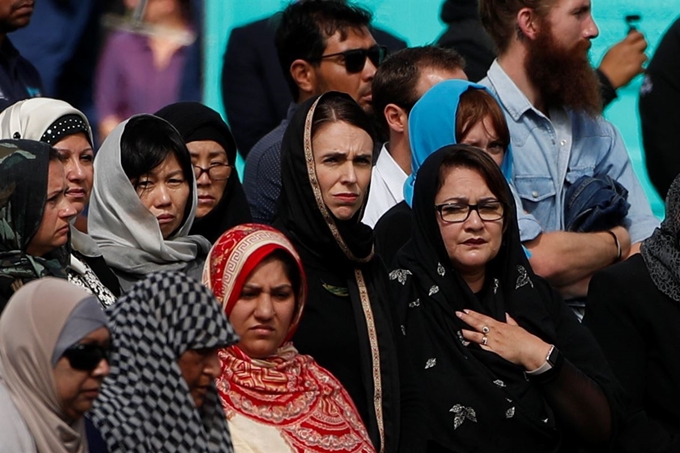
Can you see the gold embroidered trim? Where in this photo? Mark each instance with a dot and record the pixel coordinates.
(375, 355)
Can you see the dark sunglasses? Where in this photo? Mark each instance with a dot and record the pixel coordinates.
(355, 59)
(86, 357)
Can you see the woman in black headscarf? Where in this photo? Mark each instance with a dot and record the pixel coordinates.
(325, 171)
(222, 203)
(502, 363)
(634, 312)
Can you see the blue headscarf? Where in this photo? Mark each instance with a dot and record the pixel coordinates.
(432, 125)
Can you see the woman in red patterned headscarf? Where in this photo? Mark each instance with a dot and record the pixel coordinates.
(275, 399)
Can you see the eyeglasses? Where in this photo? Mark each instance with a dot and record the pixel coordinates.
(355, 59)
(458, 213)
(216, 172)
(86, 357)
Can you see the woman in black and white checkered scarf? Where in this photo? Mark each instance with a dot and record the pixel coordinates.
(146, 405)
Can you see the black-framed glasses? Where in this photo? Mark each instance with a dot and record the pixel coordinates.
(216, 172)
(86, 357)
(489, 211)
(355, 59)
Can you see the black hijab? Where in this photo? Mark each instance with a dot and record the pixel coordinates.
(301, 208)
(476, 400)
(24, 172)
(195, 122)
(340, 253)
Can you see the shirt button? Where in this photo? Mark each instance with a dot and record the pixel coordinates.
(563, 142)
(534, 194)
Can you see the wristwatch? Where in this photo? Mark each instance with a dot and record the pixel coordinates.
(549, 364)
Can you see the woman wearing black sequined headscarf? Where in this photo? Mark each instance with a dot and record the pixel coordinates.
(222, 203)
(67, 130)
(160, 395)
(634, 311)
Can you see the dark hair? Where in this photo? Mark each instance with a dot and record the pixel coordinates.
(145, 144)
(396, 78)
(500, 18)
(473, 107)
(305, 26)
(465, 156)
(335, 107)
(290, 267)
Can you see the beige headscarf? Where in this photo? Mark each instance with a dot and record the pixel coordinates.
(30, 327)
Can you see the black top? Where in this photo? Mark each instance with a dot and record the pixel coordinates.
(346, 327)
(474, 399)
(18, 77)
(254, 90)
(392, 231)
(637, 327)
(659, 113)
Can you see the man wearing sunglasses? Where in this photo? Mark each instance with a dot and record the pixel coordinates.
(322, 46)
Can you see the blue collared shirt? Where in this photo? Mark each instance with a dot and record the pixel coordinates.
(550, 154)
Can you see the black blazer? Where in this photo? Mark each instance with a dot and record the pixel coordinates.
(254, 90)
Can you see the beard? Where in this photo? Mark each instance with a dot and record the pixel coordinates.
(563, 77)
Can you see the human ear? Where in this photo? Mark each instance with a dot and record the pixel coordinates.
(304, 76)
(396, 118)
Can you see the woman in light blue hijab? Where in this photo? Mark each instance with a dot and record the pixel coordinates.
(457, 111)
(453, 111)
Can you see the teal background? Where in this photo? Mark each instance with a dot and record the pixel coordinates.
(417, 21)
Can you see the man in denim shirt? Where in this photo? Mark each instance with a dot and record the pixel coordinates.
(550, 96)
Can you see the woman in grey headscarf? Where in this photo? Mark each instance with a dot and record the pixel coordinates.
(144, 202)
(67, 130)
(54, 345)
(634, 311)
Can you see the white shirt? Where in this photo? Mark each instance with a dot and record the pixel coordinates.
(387, 187)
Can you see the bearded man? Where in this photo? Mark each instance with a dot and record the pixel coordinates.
(549, 94)
(18, 77)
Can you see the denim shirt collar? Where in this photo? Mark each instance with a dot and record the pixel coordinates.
(512, 98)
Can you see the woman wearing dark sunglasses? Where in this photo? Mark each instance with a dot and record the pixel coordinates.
(54, 346)
(222, 203)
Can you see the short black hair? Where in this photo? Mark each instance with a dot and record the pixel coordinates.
(396, 79)
(146, 142)
(305, 26)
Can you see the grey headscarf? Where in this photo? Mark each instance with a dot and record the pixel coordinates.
(125, 230)
(661, 251)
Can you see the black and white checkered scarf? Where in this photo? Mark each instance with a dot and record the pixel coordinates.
(145, 404)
